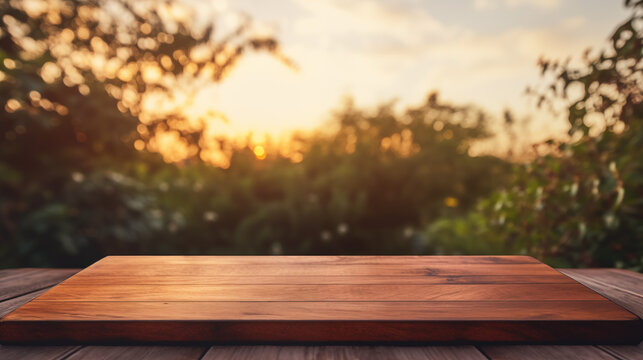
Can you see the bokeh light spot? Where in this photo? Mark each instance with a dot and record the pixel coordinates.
(260, 152)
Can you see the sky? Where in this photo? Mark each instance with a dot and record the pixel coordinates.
(482, 52)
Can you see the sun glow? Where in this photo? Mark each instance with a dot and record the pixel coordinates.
(260, 152)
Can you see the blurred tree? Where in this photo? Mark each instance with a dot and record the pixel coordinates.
(365, 187)
(580, 202)
(74, 80)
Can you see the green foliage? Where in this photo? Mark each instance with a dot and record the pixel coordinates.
(579, 204)
(74, 78)
(365, 188)
(467, 235)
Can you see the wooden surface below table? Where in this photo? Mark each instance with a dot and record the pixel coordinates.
(18, 286)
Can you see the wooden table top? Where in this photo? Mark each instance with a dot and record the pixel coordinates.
(295, 299)
(18, 286)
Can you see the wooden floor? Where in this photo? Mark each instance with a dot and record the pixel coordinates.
(17, 286)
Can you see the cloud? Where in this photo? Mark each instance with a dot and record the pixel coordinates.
(542, 4)
(357, 24)
(484, 4)
(377, 50)
(574, 22)
(370, 14)
(538, 4)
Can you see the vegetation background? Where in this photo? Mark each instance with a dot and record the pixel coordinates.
(84, 172)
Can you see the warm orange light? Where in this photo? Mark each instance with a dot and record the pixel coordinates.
(139, 144)
(260, 152)
(451, 202)
(297, 158)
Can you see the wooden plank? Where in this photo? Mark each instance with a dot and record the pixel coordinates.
(316, 292)
(269, 269)
(449, 353)
(201, 279)
(398, 352)
(10, 305)
(626, 352)
(17, 287)
(318, 311)
(15, 283)
(623, 287)
(27, 282)
(9, 273)
(531, 352)
(36, 352)
(314, 260)
(343, 352)
(538, 304)
(140, 352)
(264, 353)
(627, 281)
(623, 280)
(630, 298)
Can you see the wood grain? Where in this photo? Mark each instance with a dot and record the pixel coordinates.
(531, 352)
(14, 283)
(623, 287)
(36, 353)
(202, 279)
(612, 280)
(411, 299)
(311, 260)
(626, 293)
(22, 285)
(139, 352)
(320, 311)
(317, 292)
(270, 269)
(343, 352)
(624, 351)
(12, 304)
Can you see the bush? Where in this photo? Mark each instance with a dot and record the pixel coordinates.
(578, 204)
